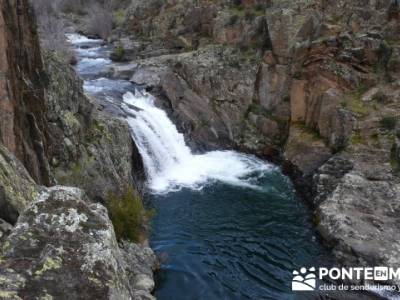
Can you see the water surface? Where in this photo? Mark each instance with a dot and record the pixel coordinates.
(229, 242)
(228, 225)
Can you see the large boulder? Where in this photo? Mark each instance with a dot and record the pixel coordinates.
(64, 247)
(359, 218)
(17, 188)
(287, 27)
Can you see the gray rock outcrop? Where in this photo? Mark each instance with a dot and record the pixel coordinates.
(56, 242)
(17, 188)
(309, 84)
(64, 247)
(88, 148)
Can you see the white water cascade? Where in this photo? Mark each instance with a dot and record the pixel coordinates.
(170, 165)
(169, 162)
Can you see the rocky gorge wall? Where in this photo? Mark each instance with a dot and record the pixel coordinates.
(22, 126)
(58, 241)
(88, 147)
(312, 85)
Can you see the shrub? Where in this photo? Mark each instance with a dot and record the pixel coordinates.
(232, 20)
(357, 139)
(361, 89)
(119, 53)
(119, 17)
(260, 7)
(128, 215)
(388, 123)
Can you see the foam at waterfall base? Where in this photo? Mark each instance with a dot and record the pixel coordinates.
(224, 166)
(169, 163)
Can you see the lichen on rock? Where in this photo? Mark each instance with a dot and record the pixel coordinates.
(17, 189)
(88, 148)
(71, 243)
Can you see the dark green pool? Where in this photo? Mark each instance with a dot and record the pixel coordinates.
(228, 242)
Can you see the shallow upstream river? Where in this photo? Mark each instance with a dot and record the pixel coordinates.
(228, 225)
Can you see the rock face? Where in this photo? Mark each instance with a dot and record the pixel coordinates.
(16, 187)
(63, 247)
(203, 101)
(22, 108)
(62, 244)
(311, 84)
(354, 227)
(45, 116)
(207, 70)
(5, 230)
(88, 148)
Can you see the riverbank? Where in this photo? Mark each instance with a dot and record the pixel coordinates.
(313, 92)
(312, 86)
(58, 241)
(201, 231)
(256, 90)
(175, 265)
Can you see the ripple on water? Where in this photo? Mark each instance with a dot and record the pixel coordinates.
(239, 235)
(227, 242)
(92, 66)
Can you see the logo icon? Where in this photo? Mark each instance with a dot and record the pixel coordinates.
(304, 280)
(381, 273)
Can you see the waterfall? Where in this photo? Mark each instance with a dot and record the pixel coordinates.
(170, 165)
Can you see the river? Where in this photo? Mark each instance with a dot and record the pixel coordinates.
(228, 225)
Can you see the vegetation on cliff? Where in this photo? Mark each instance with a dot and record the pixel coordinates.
(128, 215)
(311, 84)
(319, 92)
(49, 129)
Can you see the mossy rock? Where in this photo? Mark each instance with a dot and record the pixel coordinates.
(17, 188)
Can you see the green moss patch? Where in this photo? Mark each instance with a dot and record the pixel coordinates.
(306, 130)
(353, 102)
(119, 53)
(389, 122)
(128, 215)
(357, 139)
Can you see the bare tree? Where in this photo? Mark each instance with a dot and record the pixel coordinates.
(98, 15)
(51, 26)
(100, 19)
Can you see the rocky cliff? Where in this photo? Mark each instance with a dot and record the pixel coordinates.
(22, 109)
(64, 247)
(58, 240)
(87, 148)
(310, 84)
